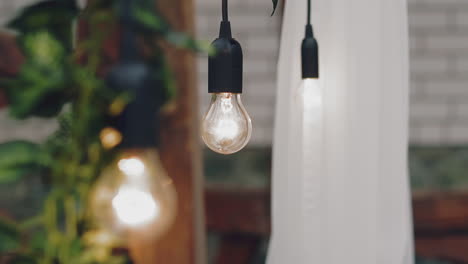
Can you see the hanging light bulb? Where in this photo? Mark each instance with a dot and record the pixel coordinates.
(309, 94)
(134, 196)
(226, 126)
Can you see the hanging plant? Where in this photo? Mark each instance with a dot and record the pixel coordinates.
(63, 80)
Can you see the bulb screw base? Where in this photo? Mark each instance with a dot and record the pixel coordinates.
(225, 66)
(310, 56)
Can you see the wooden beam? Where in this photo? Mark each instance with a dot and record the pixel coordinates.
(181, 155)
(434, 213)
(440, 221)
(441, 225)
(237, 249)
(452, 248)
(238, 211)
(440, 212)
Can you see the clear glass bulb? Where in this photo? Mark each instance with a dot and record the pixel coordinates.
(226, 127)
(135, 196)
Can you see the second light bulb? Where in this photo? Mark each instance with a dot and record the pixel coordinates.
(135, 196)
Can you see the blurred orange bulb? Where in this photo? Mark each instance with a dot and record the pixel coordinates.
(134, 195)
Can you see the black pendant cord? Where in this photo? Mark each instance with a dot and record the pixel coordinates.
(132, 75)
(129, 48)
(225, 11)
(310, 59)
(225, 28)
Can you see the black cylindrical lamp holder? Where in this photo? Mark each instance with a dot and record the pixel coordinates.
(138, 122)
(225, 66)
(310, 55)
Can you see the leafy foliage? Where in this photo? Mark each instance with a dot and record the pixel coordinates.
(64, 81)
(9, 236)
(56, 16)
(41, 87)
(22, 259)
(438, 167)
(19, 158)
(148, 22)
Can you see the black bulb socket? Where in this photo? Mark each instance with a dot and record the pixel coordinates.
(225, 65)
(132, 76)
(138, 122)
(310, 55)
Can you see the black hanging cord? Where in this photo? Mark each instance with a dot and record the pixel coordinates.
(129, 49)
(310, 59)
(225, 10)
(225, 28)
(137, 123)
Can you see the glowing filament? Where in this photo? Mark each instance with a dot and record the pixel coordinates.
(132, 166)
(226, 126)
(135, 207)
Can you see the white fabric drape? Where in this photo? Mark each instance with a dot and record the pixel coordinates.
(340, 181)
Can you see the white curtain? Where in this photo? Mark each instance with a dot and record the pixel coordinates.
(340, 180)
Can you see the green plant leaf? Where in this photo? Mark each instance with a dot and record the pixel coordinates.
(42, 48)
(169, 82)
(148, 21)
(37, 92)
(19, 158)
(42, 86)
(275, 5)
(9, 236)
(23, 259)
(36, 242)
(54, 15)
